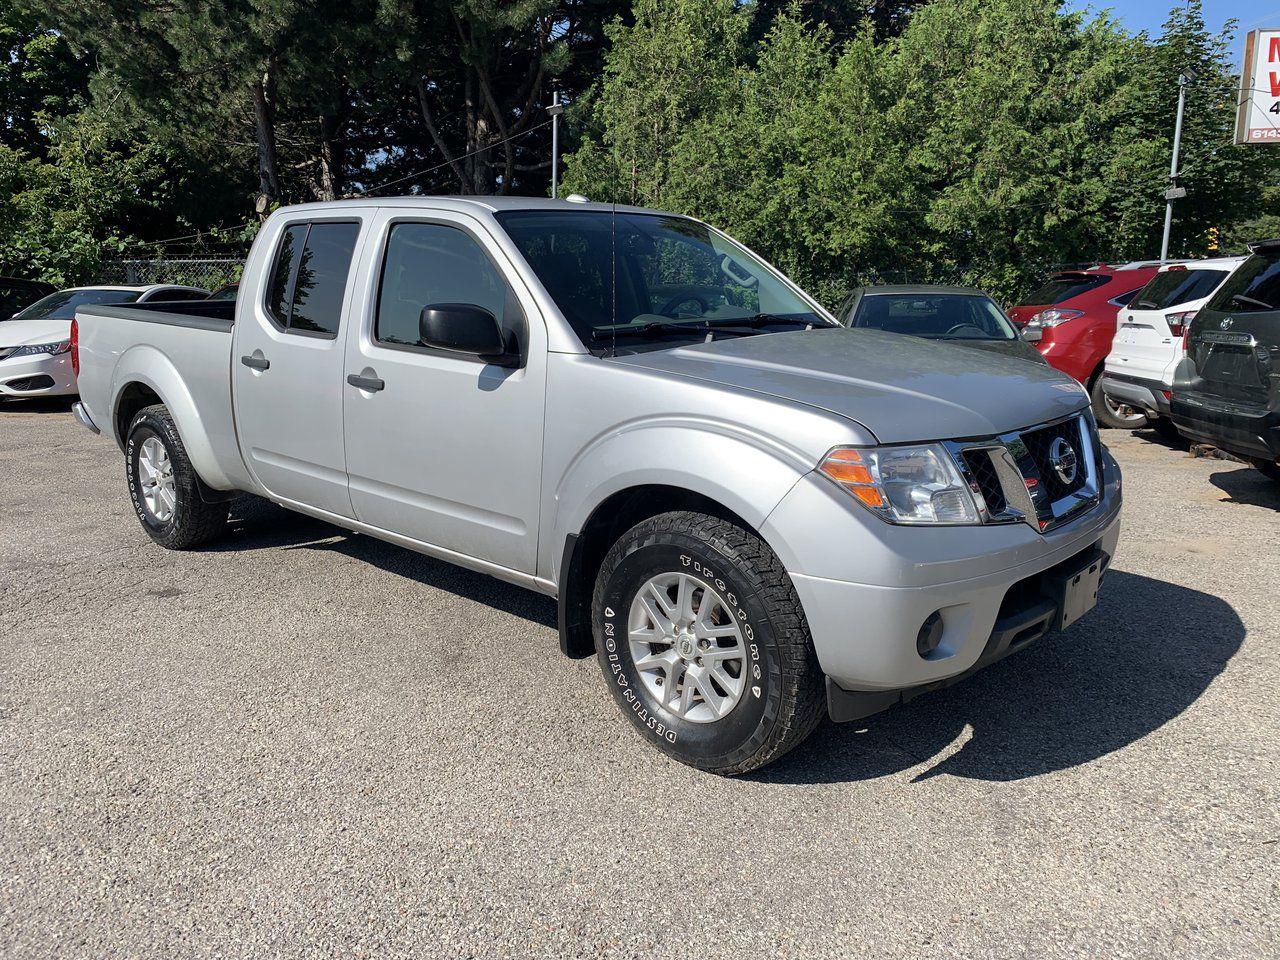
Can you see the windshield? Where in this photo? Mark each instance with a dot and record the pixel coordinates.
(652, 279)
(62, 305)
(934, 316)
(1169, 288)
(1065, 286)
(225, 293)
(1253, 288)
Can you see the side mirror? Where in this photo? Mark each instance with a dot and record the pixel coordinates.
(465, 328)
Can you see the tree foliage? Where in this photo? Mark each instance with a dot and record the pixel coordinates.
(987, 141)
(978, 140)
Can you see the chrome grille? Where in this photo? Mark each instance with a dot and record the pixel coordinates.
(1039, 443)
(984, 474)
(1013, 476)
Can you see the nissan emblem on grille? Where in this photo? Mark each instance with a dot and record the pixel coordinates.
(1062, 457)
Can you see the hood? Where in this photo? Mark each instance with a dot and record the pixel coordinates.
(16, 333)
(902, 389)
(1017, 348)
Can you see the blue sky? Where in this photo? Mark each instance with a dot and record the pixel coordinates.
(1149, 14)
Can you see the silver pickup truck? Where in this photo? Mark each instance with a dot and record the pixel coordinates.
(750, 514)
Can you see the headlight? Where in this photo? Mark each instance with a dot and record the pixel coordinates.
(903, 484)
(33, 349)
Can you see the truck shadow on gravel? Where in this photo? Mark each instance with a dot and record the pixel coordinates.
(1142, 657)
(38, 405)
(257, 524)
(1247, 486)
(1145, 655)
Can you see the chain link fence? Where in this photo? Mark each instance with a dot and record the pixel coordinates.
(210, 274)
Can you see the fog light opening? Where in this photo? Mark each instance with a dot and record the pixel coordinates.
(930, 635)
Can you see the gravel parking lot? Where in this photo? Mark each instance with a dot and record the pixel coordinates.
(308, 743)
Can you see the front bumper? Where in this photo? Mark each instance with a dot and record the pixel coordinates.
(1031, 609)
(42, 375)
(867, 590)
(1148, 395)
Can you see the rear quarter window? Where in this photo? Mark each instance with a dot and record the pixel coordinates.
(1254, 287)
(1064, 287)
(1169, 288)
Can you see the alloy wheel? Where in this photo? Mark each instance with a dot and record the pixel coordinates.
(687, 646)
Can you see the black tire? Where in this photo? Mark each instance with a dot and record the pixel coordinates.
(194, 521)
(783, 699)
(1106, 418)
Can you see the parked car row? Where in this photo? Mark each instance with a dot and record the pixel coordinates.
(1226, 387)
(1187, 351)
(35, 342)
(1126, 334)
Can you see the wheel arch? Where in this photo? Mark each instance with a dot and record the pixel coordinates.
(584, 550)
(145, 376)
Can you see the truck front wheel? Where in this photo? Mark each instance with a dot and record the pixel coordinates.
(163, 485)
(704, 644)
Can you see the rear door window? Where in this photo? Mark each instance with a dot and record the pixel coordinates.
(1169, 288)
(309, 279)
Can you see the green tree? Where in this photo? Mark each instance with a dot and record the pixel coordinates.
(41, 77)
(989, 141)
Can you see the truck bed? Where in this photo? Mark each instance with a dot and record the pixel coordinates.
(179, 350)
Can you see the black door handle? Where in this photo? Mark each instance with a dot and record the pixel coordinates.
(372, 384)
(256, 363)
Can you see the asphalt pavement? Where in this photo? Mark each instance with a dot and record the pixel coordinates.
(301, 742)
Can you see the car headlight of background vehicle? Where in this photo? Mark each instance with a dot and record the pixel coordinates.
(35, 349)
(909, 485)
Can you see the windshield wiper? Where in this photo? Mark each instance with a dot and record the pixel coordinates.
(762, 320)
(1250, 302)
(648, 330)
(1146, 305)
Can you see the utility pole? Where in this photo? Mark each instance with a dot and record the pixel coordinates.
(1175, 192)
(555, 110)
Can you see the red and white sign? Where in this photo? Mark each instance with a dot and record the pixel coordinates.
(1258, 119)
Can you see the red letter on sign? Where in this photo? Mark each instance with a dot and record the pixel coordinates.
(1273, 51)
(1275, 84)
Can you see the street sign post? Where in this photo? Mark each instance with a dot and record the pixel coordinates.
(1258, 109)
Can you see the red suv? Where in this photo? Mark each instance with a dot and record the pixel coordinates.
(1071, 320)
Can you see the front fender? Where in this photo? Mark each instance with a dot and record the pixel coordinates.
(739, 469)
(144, 364)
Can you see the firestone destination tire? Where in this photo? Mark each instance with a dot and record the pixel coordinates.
(164, 487)
(703, 642)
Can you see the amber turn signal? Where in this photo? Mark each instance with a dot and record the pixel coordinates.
(847, 468)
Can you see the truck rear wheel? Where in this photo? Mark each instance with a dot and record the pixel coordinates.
(163, 485)
(704, 644)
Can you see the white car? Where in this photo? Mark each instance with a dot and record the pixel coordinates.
(35, 343)
(1148, 342)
